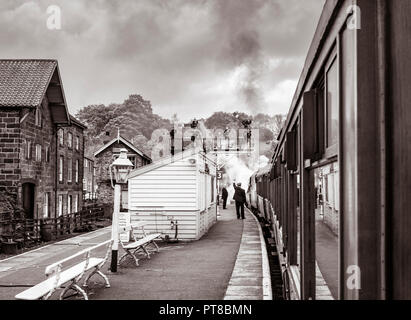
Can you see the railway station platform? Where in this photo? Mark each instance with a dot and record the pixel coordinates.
(226, 263)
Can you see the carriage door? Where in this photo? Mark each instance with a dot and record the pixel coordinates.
(28, 199)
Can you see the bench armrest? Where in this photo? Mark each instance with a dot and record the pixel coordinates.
(51, 268)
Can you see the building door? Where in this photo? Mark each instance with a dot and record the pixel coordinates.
(28, 200)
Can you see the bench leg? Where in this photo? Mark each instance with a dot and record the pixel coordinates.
(128, 252)
(105, 278)
(96, 271)
(155, 245)
(77, 288)
(73, 286)
(144, 251)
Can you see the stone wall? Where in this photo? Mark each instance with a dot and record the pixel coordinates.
(9, 157)
(42, 172)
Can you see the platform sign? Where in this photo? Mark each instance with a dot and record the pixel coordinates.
(123, 222)
(219, 175)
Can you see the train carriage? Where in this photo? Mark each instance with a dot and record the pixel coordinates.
(340, 179)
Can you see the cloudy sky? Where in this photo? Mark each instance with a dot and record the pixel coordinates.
(190, 57)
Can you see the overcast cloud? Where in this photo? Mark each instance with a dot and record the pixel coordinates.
(190, 57)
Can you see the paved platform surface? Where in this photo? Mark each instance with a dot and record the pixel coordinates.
(250, 279)
(182, 271)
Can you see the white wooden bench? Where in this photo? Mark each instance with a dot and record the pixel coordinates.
(144, 244)
(70, 277)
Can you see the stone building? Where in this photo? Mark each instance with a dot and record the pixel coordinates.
(89, 179)
(70, 162)
(32, 110)
(105, 156)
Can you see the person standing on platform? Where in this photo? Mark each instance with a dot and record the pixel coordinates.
(224, 196)
(240, 199)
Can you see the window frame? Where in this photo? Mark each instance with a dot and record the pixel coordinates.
(77, 143)
(77, 164)
(61, 169)
(28, 149)
(60, 205)
(38, 152)
(331, 151)
(38, 118)
(69, 170)
(69, 140)
(61, 137)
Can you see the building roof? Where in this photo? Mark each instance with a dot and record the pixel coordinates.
(124, 141)
(24, 83)
(77, 122)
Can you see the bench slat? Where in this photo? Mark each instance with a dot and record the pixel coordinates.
(142, 241)
(47, 285)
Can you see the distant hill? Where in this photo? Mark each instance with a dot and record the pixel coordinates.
(136, 121)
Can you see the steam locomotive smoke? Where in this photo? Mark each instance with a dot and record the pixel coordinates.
(242, 47)
(239, 171)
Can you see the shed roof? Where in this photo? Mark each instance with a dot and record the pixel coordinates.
(167, 160)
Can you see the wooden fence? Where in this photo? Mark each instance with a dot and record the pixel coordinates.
(28, 231)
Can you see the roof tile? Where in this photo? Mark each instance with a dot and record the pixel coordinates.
(23, 83)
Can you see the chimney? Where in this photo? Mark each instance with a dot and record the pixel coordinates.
(107, 137)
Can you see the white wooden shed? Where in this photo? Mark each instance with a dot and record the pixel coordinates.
(179, 189)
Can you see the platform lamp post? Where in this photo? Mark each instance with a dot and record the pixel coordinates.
(121, 167)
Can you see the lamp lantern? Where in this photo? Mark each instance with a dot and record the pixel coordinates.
(121, 167)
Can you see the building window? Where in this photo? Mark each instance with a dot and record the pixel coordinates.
(38, 152)
(61, 164)
(38, 121)
(46, 207)
(60, 212)
(28, 150)
(70, 140)
(133, 160)
(76, 173)
(47, 154)
(61, 137)
(76, 203)
(69, 203)
(77, 143)
(69, 170)
(85, 163)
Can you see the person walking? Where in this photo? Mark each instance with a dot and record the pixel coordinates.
(224, 196)
(240, 200)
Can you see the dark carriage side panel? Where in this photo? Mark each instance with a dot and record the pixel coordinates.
(399, 142)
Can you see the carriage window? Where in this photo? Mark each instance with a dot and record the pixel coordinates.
(332, 104)
(327, 221)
